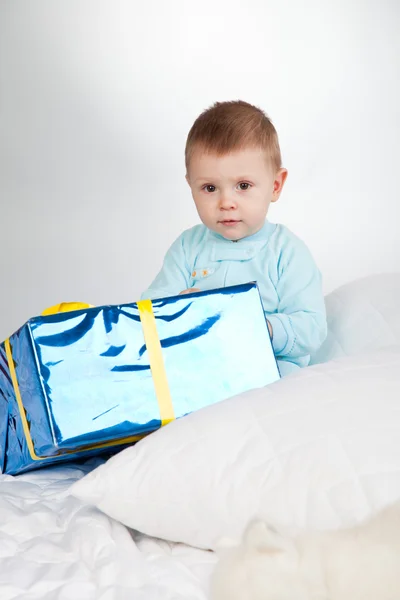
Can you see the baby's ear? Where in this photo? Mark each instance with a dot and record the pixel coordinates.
(261, 537)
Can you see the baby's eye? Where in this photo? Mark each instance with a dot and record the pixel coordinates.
(243, 186)
(209, 188)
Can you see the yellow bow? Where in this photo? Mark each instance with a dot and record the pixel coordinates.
(65, 307)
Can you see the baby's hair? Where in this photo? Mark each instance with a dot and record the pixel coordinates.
(230, 126)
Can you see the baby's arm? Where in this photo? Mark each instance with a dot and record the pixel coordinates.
(174, 275)
(299, 325)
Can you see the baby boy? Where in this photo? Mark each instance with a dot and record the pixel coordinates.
(234, 170)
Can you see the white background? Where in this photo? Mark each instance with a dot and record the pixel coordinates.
(97, 97)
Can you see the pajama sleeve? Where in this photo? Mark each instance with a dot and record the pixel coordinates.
(174, 276)
(299, 324)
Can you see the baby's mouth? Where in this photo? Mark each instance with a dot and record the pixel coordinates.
(229, 222)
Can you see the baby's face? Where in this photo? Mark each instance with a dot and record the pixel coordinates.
(233, 192)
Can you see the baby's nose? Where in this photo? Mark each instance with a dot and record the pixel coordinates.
(226, 202)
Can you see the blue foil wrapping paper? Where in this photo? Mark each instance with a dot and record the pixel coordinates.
(85, 377)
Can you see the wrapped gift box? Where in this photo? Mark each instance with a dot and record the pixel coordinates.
(77, 383)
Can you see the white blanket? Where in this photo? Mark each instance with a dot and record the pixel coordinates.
(53, 548)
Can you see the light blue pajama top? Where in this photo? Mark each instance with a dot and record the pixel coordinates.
(281, 264)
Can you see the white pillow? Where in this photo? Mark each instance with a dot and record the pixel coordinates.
(320, 448)
(363, 316)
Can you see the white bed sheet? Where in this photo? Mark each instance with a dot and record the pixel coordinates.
(54, 548)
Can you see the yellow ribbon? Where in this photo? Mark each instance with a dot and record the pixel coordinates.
(156, 360)
(157, 369)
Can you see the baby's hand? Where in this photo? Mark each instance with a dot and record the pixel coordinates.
(190, 291)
